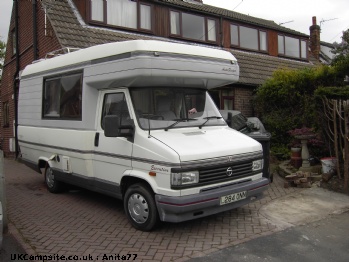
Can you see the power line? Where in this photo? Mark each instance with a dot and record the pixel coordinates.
(238, 5)
(346, 28)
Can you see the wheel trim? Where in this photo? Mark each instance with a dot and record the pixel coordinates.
(50, 179)
(138, 208)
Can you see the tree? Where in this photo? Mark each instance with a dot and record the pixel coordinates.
(341, 52)
(2, 55)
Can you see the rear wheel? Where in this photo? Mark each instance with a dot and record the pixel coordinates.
(140, 207)
(52, 184)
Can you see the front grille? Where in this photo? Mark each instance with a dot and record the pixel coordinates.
(211, 175)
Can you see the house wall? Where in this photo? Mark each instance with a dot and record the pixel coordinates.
(46, 43)
(243, 100)
(162, 14)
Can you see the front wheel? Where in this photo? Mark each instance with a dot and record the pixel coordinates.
(52, 184)
(140, 207)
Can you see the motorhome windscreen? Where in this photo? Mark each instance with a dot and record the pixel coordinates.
(173, 107)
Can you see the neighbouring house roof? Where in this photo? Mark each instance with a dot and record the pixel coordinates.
(255, 68)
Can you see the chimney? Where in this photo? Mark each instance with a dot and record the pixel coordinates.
(315, 39)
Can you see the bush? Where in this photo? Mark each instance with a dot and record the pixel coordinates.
(286, 101)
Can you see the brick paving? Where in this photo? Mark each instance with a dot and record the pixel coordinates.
(93, 226)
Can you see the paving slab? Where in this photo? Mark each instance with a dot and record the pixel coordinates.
(304, 207)
(92, 226)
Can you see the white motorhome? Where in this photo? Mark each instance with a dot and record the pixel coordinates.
(134, 120)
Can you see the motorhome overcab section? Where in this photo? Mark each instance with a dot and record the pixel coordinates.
(134, 120)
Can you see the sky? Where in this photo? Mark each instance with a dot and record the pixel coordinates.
(296, 14)
(332, 15)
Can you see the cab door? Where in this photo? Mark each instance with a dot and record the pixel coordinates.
(112, 156)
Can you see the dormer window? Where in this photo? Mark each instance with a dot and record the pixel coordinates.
(131, 14)
(191, 26)
(292, 47)
(248, 38)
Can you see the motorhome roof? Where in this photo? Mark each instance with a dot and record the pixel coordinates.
(112, 49)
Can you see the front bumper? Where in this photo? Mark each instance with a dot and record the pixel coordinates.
(178, 209)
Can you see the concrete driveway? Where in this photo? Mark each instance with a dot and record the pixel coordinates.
(90, 226)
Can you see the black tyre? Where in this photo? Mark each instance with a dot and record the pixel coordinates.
(140, 207)
(52, 184)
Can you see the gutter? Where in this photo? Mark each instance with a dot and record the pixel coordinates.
(16, 78)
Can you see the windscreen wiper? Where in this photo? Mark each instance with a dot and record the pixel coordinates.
(209, 118)
(178, 121)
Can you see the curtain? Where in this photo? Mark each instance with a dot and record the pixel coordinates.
(97, 10)
(122, 13)
(263, 41)
(234, 35)
(68, 82)
(145, 17)
(211, 29)
(175, 23)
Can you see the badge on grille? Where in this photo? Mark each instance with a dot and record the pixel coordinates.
(229, 171)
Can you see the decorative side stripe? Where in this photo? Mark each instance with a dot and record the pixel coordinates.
(93, 152)
(188, 164)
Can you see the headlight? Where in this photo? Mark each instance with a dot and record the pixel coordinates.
(185, 178)
(257, 165)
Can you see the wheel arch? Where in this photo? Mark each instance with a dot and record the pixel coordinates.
(42, 162)
(129, 180)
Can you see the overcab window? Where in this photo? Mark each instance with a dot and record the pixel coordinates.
(62, 97)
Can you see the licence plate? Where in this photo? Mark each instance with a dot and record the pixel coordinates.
(233, 197)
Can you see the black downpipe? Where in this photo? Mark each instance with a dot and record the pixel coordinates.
(16, 76)
(221, 32)
(35, 38)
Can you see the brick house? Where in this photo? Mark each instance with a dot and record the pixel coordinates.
(40, 27)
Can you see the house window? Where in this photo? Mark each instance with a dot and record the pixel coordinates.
(97, 7)
(292, 47)
(14, 42)
(303, 49)
(248, 38)
(228, 102)
(6, 114)
(192, 26)
(122, 13)
(227, 99)
(62, 97)
(211, 30)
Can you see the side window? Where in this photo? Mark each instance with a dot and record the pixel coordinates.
(115, 104)
(62, 97)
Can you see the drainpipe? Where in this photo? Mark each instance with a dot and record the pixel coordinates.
(16, 80)
(35, 38)
(221, 32)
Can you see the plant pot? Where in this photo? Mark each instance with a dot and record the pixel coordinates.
(296, 159)
(296, 152)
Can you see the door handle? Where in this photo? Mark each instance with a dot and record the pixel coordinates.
(96, 139)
